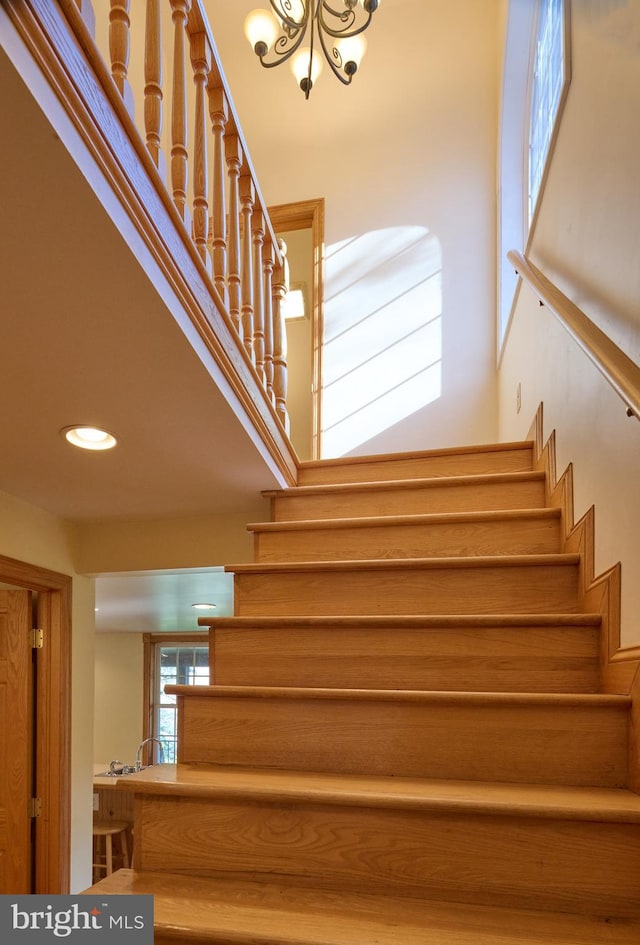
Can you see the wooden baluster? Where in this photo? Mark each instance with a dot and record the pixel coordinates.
(153, 83)
(247, 200)
(219, 114)
(257, 229)
(179, 153)
(268, 264)
(119, 47)
(234, 164)
(280, 289)
(201, 62)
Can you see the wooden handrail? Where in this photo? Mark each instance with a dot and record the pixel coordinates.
(618, 369)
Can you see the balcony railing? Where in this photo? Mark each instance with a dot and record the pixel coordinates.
(168, 135)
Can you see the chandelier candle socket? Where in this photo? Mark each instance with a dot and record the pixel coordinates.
(276, 35)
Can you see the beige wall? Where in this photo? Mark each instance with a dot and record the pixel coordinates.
(119, 674)
(31, 535)
(588, 240)
(408, 150)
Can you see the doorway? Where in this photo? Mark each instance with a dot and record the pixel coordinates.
(35, 683)
(307, 215)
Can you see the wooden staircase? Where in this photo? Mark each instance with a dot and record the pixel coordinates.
(406, 741)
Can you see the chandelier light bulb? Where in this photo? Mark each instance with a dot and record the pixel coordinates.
(352, 51)
(261, 30)
(300, 69)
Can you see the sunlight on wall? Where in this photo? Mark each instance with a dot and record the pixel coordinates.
(383, 333)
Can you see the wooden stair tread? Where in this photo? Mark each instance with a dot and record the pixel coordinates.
(409, 621)
(473, 479)
(225, 911)
(469, 561)
(612, 805)
(525, 445)
(565, 699)
(432, 518)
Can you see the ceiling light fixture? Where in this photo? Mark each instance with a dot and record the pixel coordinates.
(281, 30)
(204, 606)
(89, 438)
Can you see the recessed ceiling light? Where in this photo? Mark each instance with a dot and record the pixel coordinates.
(204, 606)
(89, 438)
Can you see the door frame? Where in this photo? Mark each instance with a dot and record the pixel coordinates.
(303, 215)
(52, 721)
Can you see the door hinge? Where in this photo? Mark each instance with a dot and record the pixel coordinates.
(37, 639)
(35, 807)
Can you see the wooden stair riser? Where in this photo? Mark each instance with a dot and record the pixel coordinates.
(464, 857)
(504, 739)
(481, 659)
(410, 539)
(418, 498)
(495, 589)
(422, 465)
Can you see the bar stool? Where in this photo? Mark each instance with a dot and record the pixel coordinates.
(103, 855)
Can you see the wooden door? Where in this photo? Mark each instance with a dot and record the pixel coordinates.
(16, 741)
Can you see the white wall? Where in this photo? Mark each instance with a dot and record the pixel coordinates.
(587, 240)
(408, 151)
(31, 535)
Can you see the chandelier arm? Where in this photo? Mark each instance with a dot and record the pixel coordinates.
(285, 54)
(348, 17)
(331, 57)
(279, 8)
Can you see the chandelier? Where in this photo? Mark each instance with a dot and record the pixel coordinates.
(276, 35)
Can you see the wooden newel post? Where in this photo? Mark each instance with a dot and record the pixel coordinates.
(247, 200)
(280, 289)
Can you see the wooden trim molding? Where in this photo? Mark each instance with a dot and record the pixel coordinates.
(600, 593)
(53, 721)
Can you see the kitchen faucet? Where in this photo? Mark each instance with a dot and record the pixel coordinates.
(140, 748)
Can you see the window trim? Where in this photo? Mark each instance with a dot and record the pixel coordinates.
(514, 230)
(150, 642)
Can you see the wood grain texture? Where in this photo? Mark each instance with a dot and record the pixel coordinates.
(528, 584)
(16, 742)
(451, 856)
(507, 737)
(411, 536)
(223, 910)
(421, 654)
(410, 496)
(492, 458)
(269, 785)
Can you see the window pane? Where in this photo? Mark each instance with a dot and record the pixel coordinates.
(546, 90)
(183, 665)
